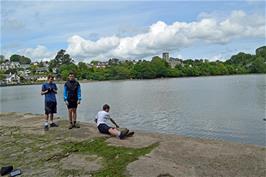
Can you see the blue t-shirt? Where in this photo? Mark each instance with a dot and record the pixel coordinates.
(50, 96)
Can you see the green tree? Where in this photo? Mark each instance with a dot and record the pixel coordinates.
(259, 65)
(66, 68)
(159, 66)
(143, 70)
(240, 59)
(61, 58)
(20, 59)
(2, 76)
(2, 59)
(261, 52)
(83, 71)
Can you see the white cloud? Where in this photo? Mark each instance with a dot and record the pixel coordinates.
(38, 53)
(161, 37)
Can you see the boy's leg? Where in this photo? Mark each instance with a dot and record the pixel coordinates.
(70, 116)
(117, 133)
(52, 124)
(114, 132)
(75, 118)
(74, 115)
(46, 125)
(51, 117)
(46, 118)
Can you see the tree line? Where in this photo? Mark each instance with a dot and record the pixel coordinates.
(241, 63)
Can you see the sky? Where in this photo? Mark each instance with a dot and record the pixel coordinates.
(99, 30)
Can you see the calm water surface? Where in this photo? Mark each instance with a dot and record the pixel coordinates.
(224, 107)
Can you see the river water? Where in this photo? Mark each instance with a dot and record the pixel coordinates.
(223, 107)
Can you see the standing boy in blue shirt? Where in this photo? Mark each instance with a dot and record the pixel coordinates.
(49, 90)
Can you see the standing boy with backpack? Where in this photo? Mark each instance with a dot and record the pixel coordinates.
(72, 97)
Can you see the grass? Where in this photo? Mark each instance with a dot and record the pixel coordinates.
(115, 158)
(44, 151)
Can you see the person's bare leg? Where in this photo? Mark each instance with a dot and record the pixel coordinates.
(76, 125)
(52, 117)
(74, 114)
(46, 125)
(46, 117)
(114, 132)
(70, 115)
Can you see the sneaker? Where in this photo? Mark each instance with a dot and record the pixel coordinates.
(76, 125)
(53, 125)
(123, 133)
(130, 134)
(70, 126)
(6, 170)
(46, 127)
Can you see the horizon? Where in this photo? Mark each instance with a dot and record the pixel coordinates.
(134, 30)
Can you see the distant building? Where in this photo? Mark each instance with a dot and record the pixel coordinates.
(9, 65)
(24, 72)
(41, 78)
(42, 70)
(166, 56)
(12, 79)
(24, 66)
(113, 61)
(89, 65)
(55, 71)
(101, 64)
(171, 61)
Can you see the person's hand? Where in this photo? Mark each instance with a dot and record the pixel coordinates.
(44, 92)
(66, 102)
(78, 102)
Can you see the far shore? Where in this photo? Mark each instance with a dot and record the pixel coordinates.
(91, 81)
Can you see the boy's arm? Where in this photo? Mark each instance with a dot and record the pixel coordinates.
(96, 119)
(79, 93)
(44, 91)
(55, 89)
(114, 122)
(65, 93)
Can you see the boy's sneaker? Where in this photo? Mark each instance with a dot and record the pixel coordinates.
(76, 125)
(46, 127)
(70, 126)
(123, 133)
(53, 125)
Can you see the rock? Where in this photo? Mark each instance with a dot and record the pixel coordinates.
(85, 163)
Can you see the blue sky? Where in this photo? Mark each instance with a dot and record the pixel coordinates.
(98, 30)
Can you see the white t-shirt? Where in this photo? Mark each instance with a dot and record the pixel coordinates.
(102, 117)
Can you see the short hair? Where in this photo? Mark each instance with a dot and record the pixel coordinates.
(106, 106)
(71, 73)
(50, 76)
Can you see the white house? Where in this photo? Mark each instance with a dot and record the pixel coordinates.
(42, 70)
(9, 65)
(41, 78)
(12, 79)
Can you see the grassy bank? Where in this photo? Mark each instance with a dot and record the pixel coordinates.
(35, 152)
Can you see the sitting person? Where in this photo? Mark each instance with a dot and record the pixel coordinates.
(101, 120)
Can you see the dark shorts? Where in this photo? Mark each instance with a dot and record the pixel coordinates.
(103, 128)
(72, 104)
(50, 107)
